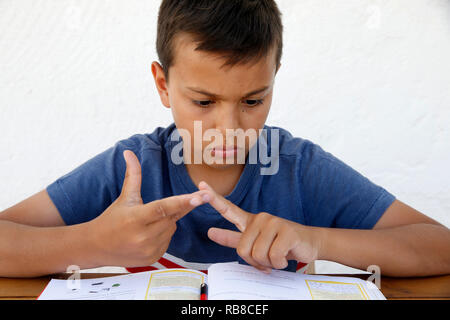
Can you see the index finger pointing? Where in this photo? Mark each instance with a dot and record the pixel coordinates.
(175, 207)
(226, 208)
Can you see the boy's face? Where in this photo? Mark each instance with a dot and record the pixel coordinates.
(220, 98)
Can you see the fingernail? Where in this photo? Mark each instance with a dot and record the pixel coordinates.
(267, 270)
(206, 197)
(204, 184)
(194, 201)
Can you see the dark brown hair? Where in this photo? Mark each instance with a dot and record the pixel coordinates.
(241, 30)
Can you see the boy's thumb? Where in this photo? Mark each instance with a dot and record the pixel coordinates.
(131, 189)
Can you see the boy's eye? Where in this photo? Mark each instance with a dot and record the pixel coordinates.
(203, 103)
(254, 102)
(248, 102)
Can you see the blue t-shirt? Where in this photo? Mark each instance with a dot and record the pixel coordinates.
(310, 187)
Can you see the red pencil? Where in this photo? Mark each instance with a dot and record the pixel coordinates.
(204, 291)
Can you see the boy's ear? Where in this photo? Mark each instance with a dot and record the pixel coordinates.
(161, 83)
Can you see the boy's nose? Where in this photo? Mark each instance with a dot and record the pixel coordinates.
(227, 117)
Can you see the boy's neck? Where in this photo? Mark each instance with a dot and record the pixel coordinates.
(222, 181)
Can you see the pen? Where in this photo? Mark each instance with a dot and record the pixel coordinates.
(203, 291)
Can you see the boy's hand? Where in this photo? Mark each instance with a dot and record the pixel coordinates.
(265, 241)
(130, 233)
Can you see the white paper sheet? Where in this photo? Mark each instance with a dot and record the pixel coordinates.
(235, 281)
(124, 287)
(171, 284)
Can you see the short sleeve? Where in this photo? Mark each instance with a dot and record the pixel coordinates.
(335, 195)
(84, 193)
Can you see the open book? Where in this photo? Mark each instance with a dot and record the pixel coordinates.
(226, 281)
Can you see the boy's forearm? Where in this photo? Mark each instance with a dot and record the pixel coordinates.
(27, 251)
(410, 250)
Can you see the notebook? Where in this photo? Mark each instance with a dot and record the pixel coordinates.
(225, 281)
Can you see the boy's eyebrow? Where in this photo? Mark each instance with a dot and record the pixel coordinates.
(206, 93)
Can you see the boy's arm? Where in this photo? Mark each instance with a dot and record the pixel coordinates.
(37, 210)
(28, 251)
(33, 241)
(128, 233)
(403, 243)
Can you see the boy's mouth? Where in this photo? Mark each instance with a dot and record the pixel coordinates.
(225, 151)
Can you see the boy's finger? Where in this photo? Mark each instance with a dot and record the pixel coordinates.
(226, 208)
(131, 189)
(174, 207)
(227, 238)
(231, 239)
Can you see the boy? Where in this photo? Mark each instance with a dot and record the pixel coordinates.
(136, 204)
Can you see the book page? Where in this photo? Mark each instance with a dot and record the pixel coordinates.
(240, 282)
(160, 284)
(341, 288)
(333, 290)
(124, 287)
(175, 284)
(236, 281)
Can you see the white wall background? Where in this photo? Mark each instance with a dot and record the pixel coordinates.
(367, 80)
